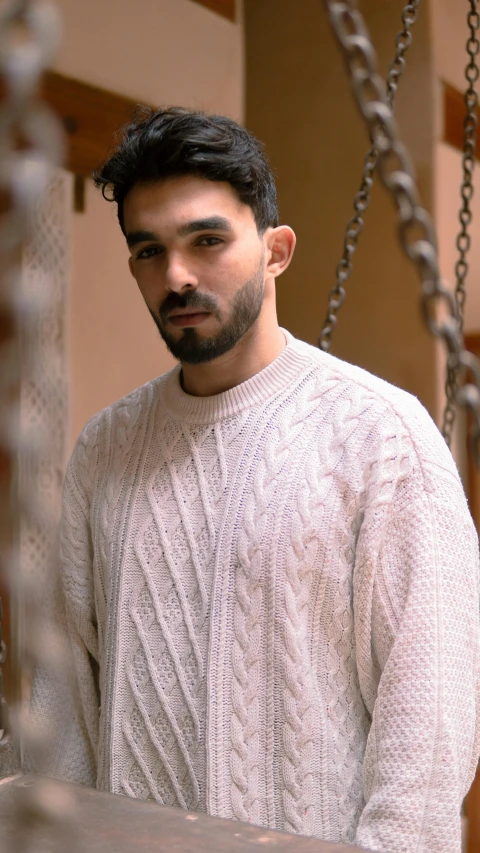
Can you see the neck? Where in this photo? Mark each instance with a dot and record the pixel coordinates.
(255, 351)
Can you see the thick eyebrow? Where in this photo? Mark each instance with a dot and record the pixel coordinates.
(210, 223)
(134, 237)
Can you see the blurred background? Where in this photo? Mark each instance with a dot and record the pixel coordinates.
(273, 65)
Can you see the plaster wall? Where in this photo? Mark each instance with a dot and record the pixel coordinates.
(449, 34)
(159, 52)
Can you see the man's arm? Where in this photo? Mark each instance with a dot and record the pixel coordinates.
(417, 629)
(66, 700)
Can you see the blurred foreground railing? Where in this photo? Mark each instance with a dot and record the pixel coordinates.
(105, 823)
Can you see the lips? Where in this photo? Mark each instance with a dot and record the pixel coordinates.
(188, 318)
(187, 312)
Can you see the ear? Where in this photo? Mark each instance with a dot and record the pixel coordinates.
(280, 244)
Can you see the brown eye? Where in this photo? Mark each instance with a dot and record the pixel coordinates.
(149, 252)
(209, 241)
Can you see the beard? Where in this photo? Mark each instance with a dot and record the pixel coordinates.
(191, 348)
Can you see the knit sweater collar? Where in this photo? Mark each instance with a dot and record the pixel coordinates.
(255, 391)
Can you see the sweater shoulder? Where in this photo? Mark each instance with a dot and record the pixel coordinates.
(390, 409)
(120, 418)
(137, 401)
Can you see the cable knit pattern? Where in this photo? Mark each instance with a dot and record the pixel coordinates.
(271, 597)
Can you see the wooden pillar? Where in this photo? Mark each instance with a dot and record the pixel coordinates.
(299, 102)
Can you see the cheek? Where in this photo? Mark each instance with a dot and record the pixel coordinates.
(149, 281)
(237, 268)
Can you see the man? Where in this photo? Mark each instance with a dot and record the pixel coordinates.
(269, 571)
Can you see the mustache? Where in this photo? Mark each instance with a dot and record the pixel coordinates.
(187, 300)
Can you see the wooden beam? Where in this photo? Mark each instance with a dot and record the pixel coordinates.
(454, 114)
(222, 7)
(91, 118)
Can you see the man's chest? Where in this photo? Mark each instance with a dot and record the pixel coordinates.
(207, 519)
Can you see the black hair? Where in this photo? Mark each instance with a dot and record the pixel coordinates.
(176, 141)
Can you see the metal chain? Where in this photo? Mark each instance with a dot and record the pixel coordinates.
(465, 216)
(21, 62)
(415, 226)
(362, 198)
(30, 144)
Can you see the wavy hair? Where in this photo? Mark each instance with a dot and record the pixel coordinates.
(176, 141)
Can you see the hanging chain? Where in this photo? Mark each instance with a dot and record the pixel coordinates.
(415, 226)
(30, 144)
(362, 198)
(465, 215)
(24, 50)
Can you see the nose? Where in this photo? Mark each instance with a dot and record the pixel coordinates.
(178, 275)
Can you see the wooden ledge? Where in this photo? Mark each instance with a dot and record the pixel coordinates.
(106, 823)
(91, 118)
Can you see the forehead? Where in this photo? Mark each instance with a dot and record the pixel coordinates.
(173, 202)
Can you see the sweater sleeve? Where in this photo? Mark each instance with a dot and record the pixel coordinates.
(417, 629)
(65, 696)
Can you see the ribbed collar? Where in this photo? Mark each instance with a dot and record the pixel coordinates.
(259, 389)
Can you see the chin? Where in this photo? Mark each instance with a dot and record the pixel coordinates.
(193, 348)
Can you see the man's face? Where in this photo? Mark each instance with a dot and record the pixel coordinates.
(199, 263)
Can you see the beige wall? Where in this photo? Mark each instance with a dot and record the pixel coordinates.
(158, 51)
(299, 103)
(449, 34)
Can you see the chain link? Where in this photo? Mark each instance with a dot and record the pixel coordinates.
(30, 144)
(465, 216)
(362, 198)
(24, 51)
(415, 227)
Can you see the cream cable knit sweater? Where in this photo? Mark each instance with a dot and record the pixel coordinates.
(273, 596)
